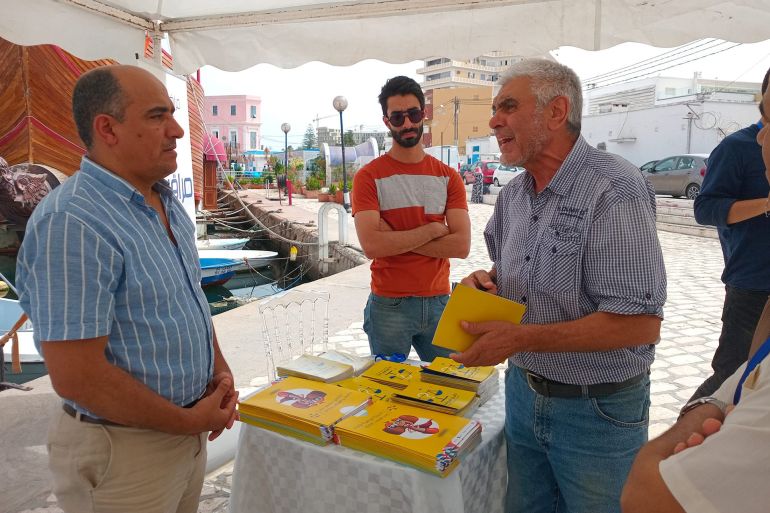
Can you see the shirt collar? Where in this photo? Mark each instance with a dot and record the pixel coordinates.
(118, 184)
(562, 181)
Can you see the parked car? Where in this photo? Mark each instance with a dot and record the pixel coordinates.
(648, 165)
(680, 175)
(503, 174)
(464, 169)
(487, 168)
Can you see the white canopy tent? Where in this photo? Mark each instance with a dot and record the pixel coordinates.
(232, 35)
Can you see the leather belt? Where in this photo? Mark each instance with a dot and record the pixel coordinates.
(550, 388)
(82, 417)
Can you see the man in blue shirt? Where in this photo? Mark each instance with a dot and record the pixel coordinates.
(734, 198)
(109, 275)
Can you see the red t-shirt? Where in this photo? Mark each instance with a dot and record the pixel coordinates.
(408, 196)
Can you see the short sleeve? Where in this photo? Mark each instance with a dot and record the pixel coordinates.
(623, 266)
(364, 195)
(67, 278)
(456, 195)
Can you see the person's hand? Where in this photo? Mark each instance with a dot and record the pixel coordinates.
(708, 428)
(438, 229)
(216, 409)
(481, 280)
(230, 397)
(496, 342)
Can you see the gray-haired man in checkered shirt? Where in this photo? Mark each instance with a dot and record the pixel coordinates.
(574, 239)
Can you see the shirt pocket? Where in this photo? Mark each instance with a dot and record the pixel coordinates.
(559, 259)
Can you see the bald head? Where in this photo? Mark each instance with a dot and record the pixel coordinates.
(104, 90)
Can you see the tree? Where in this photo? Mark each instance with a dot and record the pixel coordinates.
(310, 140)
(349, 141)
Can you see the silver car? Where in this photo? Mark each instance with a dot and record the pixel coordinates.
(680, 175)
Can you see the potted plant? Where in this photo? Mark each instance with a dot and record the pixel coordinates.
(312, 187)
(337, 196)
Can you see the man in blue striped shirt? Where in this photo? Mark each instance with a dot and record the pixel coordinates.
(574, 239)
(109, 275)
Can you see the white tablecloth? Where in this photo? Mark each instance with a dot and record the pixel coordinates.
(279, 474)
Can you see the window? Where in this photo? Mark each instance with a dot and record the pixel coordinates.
(215, 132)
(214, 110)
(233, 137)
(252, 140)
(475, 129)
(665, 165)
(686, 163)
(253, 111)
(232, 110)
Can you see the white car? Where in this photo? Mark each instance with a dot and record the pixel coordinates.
(503, 174)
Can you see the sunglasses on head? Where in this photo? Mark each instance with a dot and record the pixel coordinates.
(398, 117)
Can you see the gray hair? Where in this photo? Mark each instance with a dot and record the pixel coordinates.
(549, 80)
(96, 92)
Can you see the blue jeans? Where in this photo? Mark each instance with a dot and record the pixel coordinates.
(571, 454)
(395, 324)
(740, 316)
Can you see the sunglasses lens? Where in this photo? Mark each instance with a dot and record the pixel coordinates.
(415, 115)
(397, 118)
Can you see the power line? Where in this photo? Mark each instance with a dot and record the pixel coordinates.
(655, 67)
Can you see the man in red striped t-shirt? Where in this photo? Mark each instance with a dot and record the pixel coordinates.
(411, 216)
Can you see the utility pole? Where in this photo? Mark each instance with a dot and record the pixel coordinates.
(456, 102)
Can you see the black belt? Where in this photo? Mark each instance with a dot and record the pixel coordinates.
(82, 417)
(550, 388)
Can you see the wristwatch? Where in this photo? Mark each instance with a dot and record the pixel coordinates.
(702, 400)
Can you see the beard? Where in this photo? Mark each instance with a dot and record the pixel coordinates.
(398, 136)
(534, 146)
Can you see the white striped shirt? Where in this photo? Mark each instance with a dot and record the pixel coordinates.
(97, 260)
(587, 243)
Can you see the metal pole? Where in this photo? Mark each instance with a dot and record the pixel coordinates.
(344, 173)
(457, 110)
(285, 156)
(442, 147)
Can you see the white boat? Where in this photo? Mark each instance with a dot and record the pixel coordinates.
(209, 244)
(249, 258)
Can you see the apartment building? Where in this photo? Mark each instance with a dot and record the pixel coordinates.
(234, 119)
(441, 72)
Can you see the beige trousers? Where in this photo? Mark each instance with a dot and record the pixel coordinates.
(107, 469)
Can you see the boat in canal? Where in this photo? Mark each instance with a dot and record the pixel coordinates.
(216, 271)
(248, 258)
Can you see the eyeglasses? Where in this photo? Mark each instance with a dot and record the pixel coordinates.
(398, 117)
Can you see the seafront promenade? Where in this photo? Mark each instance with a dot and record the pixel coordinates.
(688, 339)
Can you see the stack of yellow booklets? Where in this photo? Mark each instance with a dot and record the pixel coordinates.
(375, 390)
(316, 368)
(451, 401)
(392, 374)
(429, 441)
(484, 381)
(473, 305)
(302, 408)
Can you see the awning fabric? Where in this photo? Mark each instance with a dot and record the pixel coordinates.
(213, 148)
(233, 36)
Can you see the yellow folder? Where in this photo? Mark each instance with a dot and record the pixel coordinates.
(473, 305)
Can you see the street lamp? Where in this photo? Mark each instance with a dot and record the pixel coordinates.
(285, 127)
(340, 104)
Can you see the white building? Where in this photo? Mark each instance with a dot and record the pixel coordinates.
(656, 117)
(441, 72)
(481, 148)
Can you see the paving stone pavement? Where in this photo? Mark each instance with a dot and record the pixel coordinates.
(689, 333)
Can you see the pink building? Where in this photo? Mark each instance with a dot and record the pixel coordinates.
(235, 120)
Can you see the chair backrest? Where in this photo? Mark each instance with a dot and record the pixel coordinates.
(294, 323)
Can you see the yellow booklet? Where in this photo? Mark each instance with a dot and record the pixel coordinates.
(396, 375)
(310, 408)
(451, 401)
(473, 305)
(427, 440)
(367, 386)
(484, 381)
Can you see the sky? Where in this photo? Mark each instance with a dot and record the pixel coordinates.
(300, 94)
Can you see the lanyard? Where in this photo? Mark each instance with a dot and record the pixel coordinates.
(760, 355)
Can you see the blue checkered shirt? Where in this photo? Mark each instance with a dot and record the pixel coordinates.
(96, 260)
(586, 243)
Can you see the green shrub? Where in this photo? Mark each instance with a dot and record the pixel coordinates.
(333, 188)
(313, 184)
